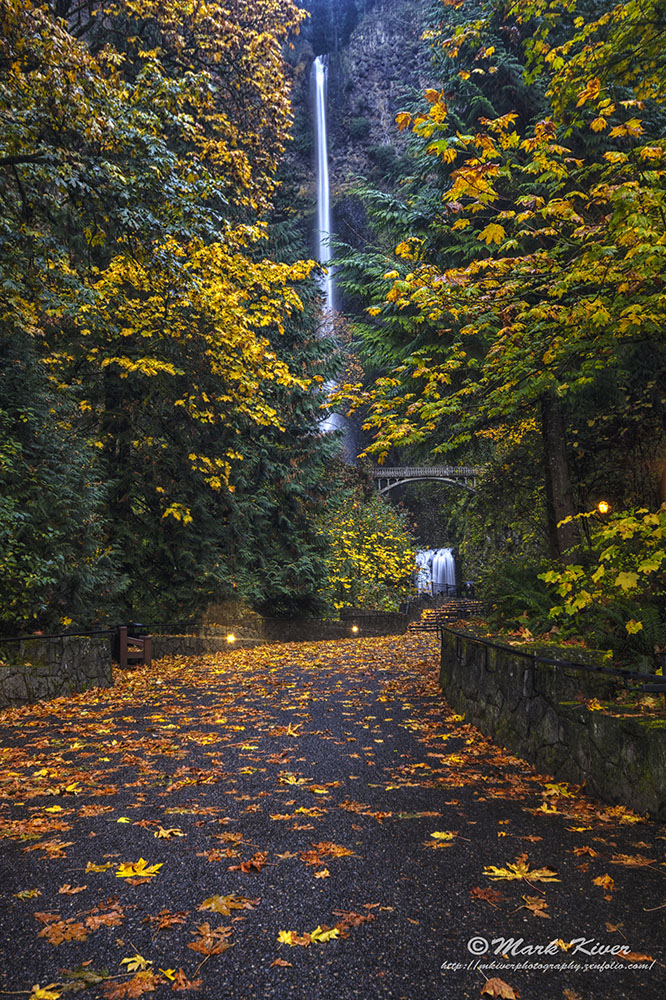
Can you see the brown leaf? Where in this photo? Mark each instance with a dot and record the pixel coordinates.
(210, 942)
(70, 890)
(143, 982)
(225, 904)
(181, 982)
(63, 930)
(281, 962)
(537, 905)
(253, 864)
(112, 918)
(492, 896)
(333, 850)
(164, 920)
(498, 988)
(635, 861)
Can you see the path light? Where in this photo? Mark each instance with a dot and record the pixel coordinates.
(231, 637)
(603, 507)
(354, 628)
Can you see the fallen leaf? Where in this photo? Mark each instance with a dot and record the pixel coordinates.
(181, 982)
(143, 982)
(635, 861)
(492, 896)
(210, 942)
(70, 890)
(140, 869)
(498, 988)
(537, 906)
(521, 870)
(225, 904)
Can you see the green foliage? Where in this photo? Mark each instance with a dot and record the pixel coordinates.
(55, 562)
(514, 320)
(519, 597)
(618, 595)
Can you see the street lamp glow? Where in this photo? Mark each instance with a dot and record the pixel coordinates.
(603, 507)
(354, 628)
(231, 637)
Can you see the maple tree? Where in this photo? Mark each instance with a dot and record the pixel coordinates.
(520, 313)
(136, 176)
(371, 554)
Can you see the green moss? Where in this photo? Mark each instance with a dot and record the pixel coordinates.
(652, 723)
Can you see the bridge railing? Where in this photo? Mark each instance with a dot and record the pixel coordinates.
(421, 471)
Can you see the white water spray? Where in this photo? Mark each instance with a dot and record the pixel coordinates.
(335, 422)
(320, 73)
(437, 571)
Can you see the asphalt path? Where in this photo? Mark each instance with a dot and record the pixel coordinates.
(312, 822)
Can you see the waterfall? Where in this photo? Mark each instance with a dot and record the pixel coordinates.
(437, 571)
(334, 422)
(320, 73)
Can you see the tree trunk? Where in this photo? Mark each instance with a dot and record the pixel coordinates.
(559, 495)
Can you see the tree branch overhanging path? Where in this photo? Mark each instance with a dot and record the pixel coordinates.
(302, 821)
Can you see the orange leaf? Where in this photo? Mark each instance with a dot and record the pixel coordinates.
(498, 988)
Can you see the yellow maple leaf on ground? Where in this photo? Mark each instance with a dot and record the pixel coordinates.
(323, 934)
(139, 868)
(293, 938)
(444, 834)
(521, 870)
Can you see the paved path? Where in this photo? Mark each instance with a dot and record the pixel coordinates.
(294, 791)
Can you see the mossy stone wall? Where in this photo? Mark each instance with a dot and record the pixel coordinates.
(36, 669)
(536, 711)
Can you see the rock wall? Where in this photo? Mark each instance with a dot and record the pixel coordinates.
(533, 709)
(36, 669)
(368, 80)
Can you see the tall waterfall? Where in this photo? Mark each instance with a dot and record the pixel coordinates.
(320, 73)
(335, 422)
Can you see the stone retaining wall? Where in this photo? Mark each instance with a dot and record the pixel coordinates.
(257, 630)
(34, 669)
(535, 711)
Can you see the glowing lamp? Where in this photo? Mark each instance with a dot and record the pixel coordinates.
(603, 507)
(354, 628)
(231, 637)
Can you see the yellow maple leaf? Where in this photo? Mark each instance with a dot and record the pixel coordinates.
(521, 870)
(493, 233)
(444, 834)
(138, 869)
(322, 935)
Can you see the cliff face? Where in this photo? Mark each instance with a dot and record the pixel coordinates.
(368, 78)
(379, 59)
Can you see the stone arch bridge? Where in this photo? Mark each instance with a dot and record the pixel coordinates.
(464, 476)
